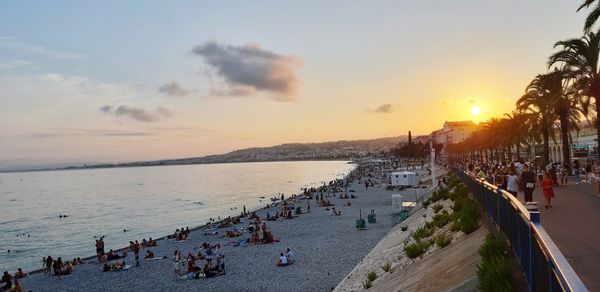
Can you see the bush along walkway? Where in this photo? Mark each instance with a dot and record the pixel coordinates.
(447, 215)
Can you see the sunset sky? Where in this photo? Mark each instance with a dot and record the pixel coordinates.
(107, 81)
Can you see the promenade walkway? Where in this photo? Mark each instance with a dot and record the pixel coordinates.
(574, 225)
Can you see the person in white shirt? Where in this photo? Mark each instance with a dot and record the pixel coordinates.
(282, 261)
(512, 185)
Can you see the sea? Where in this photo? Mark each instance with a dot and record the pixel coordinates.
(124, 204)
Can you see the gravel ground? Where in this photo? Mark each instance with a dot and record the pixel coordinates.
(326, 249)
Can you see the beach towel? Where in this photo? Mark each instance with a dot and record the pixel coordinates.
(126, 268)
(157, 258)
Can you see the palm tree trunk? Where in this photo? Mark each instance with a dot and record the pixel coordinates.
(564, 131)
(546, 137)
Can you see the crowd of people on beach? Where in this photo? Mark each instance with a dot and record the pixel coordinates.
(207, 259)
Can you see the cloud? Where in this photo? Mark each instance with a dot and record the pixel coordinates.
(77, 132)
(137, 113)
(384, 109)
(10, 42)
(174, 89)
(14, 64)
(250, 68)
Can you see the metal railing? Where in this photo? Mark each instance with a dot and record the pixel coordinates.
(544, 266)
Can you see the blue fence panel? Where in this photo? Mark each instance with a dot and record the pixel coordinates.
(544, 266)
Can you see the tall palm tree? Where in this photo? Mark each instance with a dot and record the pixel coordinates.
(578, 59)
(516, 122)
(536, 102)
(593, 16)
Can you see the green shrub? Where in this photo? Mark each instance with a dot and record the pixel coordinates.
(460, 191)
(367, 284)
(417, 248)
(436, 208)
(371, 276)
(425, 203)
(494, 246)
(495, 274)
(440, 220)
(442, 240)
(423, 232)
(466, 218)
(387, 267)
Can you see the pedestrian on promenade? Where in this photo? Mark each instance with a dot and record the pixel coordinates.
(547, 184)
(596, 171)
(577, 171)
(527, 183)
(512, 185)
(564, 174)
(588, 172)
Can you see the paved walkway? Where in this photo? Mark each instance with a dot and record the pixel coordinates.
(574, 225)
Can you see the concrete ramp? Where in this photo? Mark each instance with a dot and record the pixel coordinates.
(441, 270)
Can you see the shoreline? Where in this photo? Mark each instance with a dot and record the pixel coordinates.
(315, 238)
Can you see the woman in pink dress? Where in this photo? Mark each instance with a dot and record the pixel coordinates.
(547, 184)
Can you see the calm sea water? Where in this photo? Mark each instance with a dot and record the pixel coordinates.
(147, 201)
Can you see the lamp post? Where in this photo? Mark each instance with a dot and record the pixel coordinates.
(433, 179)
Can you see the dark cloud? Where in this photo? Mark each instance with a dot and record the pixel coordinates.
(106, 109)
(250, 68)
(137, 113)
(384, 109)
(174, 89)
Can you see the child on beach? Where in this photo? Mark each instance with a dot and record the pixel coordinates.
(547, 184)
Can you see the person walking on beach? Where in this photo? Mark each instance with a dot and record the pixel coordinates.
(176, 266)
(136, 251)
(527, 183)
(547, 184)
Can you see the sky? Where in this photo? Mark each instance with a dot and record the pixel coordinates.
(109, 81)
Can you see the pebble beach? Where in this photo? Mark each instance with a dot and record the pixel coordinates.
(326, 248)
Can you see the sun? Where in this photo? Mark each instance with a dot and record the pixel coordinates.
(475, 110)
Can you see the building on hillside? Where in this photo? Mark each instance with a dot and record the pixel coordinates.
(439, 136)
(457, 132)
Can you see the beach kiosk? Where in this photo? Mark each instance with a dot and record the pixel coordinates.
(404, 178)
(399, 209)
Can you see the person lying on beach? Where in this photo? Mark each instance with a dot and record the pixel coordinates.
(20, 274)
(334, 212)
(231, 233)
(348, 204)
(112, 256)
(149, 254)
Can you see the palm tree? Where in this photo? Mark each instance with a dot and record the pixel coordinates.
(578, 59)
(517, 129)
(536, 101)
(593, 16)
